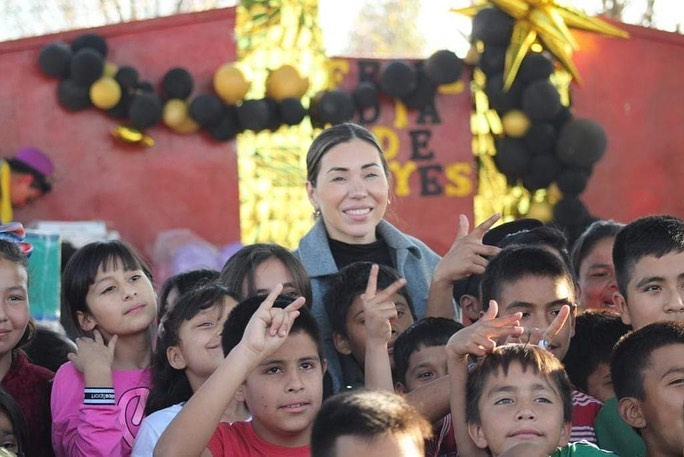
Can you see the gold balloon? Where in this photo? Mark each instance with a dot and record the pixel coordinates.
(286, 82)
(515, 123)
(175, 112)
(105, 93)
(230, 84)
(187, 126)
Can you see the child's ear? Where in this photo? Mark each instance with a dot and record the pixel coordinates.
(565, 434)
(475, 432)
(471, 307)
(85, 321)
(341, 343)
(621, 303)
(630, 411)
(175, 358)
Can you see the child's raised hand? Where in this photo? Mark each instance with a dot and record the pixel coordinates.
(481, 337)
(543, 337)
(467, 254)
(268, 328)
(379, 309)
(94, 359)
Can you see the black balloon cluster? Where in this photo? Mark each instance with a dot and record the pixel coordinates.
(555, 146)
(86, 81)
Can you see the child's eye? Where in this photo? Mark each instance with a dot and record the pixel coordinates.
(425, 375)
(135, 277)
(652, 288)
(108, 289)
(504, 401)
(10, 446)
(273, 370)
(16, 298)
(372, 175)
(542, 400)
(205, 325)
(677, 381)
(337, 179)
(307, 365)
(554, 312)
(525, 314)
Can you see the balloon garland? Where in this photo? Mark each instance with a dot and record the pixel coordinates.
(88, 79)
(535, 158)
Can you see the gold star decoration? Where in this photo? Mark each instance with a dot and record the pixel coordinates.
(548, 22)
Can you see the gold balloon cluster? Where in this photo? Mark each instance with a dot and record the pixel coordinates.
(277, 42)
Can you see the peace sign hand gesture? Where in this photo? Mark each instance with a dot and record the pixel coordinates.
(481, 337)
(379, 309)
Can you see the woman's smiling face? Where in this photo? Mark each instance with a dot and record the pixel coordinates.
(351, 191)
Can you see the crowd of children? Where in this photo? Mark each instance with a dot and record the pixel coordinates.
(561, 352)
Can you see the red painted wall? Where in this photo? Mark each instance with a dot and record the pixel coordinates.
(182, 182)
(633, 88)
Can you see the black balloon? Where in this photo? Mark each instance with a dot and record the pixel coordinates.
(291, 111)
(570, 211)
(572, 181)
(120, 110)
(365, 95)
(501, 100)
(493, 60)
(206, 109)
(127, 77)
(581, 143)
(423, 94)
(227, 126)
(335, 107)
(144, 86)
(87, 66)
(145, 110)
(512, 158)
(493, 27)
(398, 79)
(443, 67)
(541, 101)
(541, 138)
(535, 66)
(72, 95)
(564, 115)
(542, 171)
(177, 83)
(90, 41)
(254, 115)
(54, 59)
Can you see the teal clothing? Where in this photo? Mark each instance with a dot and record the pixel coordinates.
(614, 434)
(581, 449)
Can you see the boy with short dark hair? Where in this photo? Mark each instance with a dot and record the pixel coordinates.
(649, 266)
(372, 423)
(517, 398)
(345, 307)
(588, 359)
(648, 375)
(419, 359)
(648, 255)
(274, 363)
(537, 283)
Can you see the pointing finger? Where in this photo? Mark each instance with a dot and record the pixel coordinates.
(491, 312)
(479, 231)
(267, 304)
(372, 285)
(463, 227)
(557, 323)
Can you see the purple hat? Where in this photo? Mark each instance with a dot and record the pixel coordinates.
(35, 159)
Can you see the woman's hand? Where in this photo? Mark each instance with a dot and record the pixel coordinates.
(467, 254)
